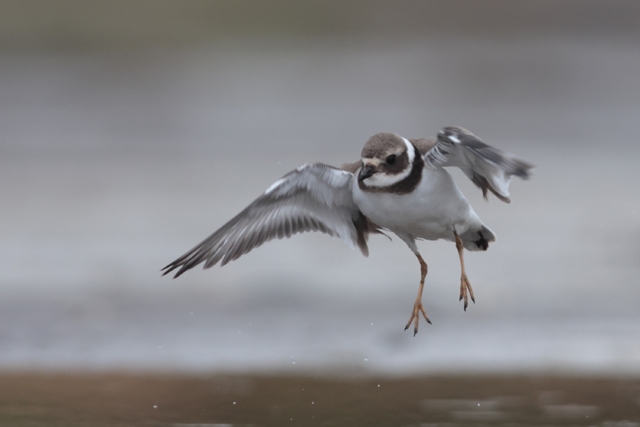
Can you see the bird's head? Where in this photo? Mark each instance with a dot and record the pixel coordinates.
(387, 159)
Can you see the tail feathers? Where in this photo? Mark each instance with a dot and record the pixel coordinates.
(478, 239)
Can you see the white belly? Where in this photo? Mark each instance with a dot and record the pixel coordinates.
(433, 211)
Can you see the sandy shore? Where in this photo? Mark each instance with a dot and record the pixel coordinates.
(33, 399)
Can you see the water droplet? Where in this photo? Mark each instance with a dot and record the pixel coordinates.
(378, 385)
(293, 363)
(478, 404)
(234, 403)
(314, 402)
(155, 406)
(366, 359)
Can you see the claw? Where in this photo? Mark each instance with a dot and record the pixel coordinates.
(415, 316)
(410, 321)
(466, 291)
(425, 314)
(464, 282)
(417, 306)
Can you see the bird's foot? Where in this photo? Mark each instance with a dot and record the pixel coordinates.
(464, 285)
(415, 316)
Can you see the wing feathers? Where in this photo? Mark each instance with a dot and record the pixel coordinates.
(489, 168)
(511, 164)
(311, 198)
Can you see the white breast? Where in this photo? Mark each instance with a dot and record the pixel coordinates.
(432, 211)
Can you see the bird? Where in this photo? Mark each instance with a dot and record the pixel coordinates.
(399, 185)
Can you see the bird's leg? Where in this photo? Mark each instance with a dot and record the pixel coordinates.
(464, 282)
(417, 307)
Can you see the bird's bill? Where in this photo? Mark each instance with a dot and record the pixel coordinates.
(366, 172)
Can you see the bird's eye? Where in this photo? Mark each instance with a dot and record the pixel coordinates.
(391, 159)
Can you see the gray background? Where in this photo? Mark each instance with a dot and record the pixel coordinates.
(129, 131)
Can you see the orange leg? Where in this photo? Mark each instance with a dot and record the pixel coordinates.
(464, 282)
(417, 307)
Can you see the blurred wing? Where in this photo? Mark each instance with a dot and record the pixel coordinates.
(311, 198)
(490, 168)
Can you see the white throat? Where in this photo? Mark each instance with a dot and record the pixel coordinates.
(385, 180)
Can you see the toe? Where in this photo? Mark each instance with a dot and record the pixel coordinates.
(424, 313)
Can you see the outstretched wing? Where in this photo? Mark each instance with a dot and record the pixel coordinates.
(314, 197)
(490, 168)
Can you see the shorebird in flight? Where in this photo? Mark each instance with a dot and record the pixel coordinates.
(399, 185)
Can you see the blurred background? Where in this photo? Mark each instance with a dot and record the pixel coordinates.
(130, 131)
